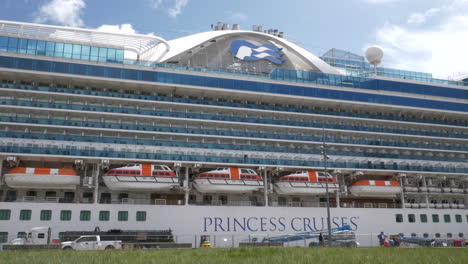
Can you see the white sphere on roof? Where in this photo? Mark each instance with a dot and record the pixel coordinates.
(374, 55)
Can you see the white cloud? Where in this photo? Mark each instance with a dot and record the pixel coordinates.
(124, 29)
(177, 9)
(172, 7)
(421, 18)
(440, 50)
(63, 12)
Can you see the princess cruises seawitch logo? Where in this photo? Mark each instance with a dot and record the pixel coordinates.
(247, 51)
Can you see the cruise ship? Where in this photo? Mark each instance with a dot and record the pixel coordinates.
(227, 135)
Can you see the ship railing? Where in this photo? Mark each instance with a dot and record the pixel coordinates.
(369, 205)
(131, 178)
(234, 182)
(144, 201)
(229, 202)
(40, 199)
(263, 237)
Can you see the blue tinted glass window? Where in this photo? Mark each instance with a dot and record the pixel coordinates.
(119, 55)
(50, 48)
(102, 54)
(111, 55)
(94, 54)
(67, 50)
(41, 47)
(3, 43)
(32, 46)
(59, 49)
(76, 51)
(23, 46)
(85, 52)
(12, 44)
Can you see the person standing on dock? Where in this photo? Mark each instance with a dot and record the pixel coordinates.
(381, 238)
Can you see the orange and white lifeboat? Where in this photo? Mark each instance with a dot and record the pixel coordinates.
(305, 182)
(42, 178)
(228, 180)
(375, 188)
(141, 177)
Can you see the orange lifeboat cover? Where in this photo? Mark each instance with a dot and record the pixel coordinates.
(43, 171)
(312, 176)
(376, 183)
(234, 173)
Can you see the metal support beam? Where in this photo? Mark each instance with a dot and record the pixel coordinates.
(426, 196)
(2, 177)
(186, 186)
(338, 199)
(265, 186)
(402, 194)
(96, 182)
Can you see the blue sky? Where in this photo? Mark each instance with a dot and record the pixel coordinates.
(421, 35)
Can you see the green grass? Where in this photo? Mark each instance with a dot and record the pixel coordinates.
(244, 256)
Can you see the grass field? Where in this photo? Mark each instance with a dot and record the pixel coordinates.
(244, 256)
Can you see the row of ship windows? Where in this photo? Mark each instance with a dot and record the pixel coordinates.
(227, 146)
(300, 122)
(305, 179)
(437, 235)
(66, 215)
(226, 176)
(207, 116)
(220, 102)
(84, 52)
(61, 50)
(165, 127)
(161, 127)
(367, 67)
(136, 173)
(73, 151)
(242, 85)
(364, 83)
(423, 218)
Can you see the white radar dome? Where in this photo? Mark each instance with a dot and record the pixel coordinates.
(374, 55)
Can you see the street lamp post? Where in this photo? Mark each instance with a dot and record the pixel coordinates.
(325, 158)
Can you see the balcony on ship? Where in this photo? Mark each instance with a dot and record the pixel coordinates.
(433, 186)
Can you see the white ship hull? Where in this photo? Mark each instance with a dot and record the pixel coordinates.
(226, 186)
(142, 183)
(42, 181)
(375, 191)
(227, 227)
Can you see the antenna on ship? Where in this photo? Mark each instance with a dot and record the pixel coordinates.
(374, 55)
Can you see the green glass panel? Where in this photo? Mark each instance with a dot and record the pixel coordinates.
(104, 216)
(5, 214)
(25, 215)
(65, 215)
(122, 216)
(46, 215)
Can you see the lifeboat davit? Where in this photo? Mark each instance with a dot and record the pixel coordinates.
(375, 188)
(228, 180)
(305, 182)
(42, 178)
(141, 177)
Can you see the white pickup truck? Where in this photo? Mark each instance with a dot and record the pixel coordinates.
(91, 243)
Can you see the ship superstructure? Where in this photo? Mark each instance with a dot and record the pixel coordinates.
(222, 133)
